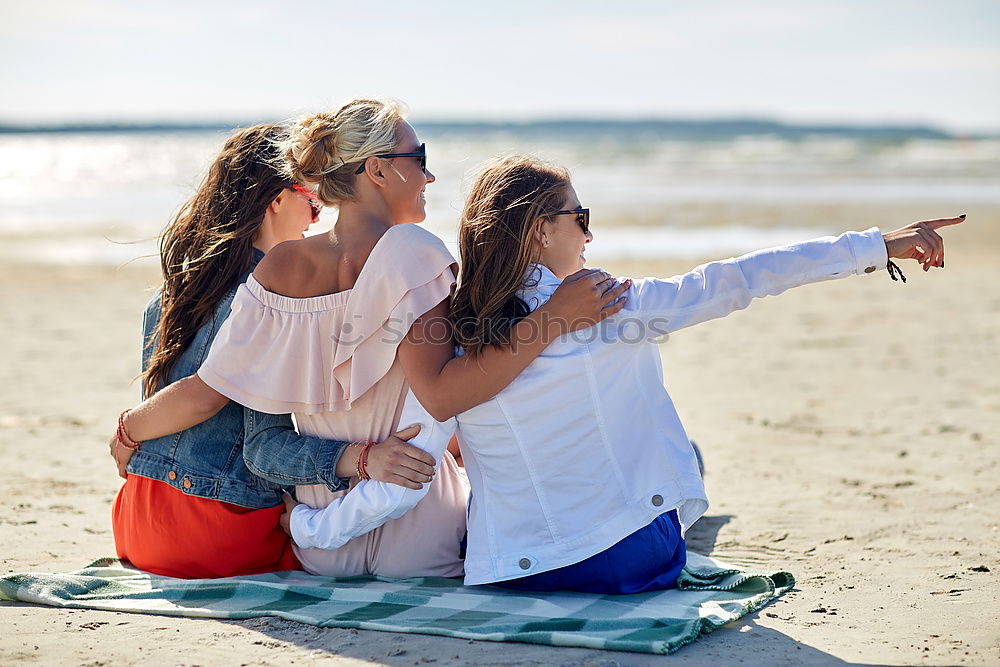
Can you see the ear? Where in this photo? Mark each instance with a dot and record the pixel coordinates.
(277, 202)
(538, 231)
(373, 170)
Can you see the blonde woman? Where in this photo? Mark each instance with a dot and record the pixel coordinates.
(335, 327)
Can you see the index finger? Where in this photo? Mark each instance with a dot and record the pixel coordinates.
(944, 222)
(408, 432)
(581, 274)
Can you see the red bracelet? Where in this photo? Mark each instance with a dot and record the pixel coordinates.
(363, 460)
(357, 461)
(122, 434)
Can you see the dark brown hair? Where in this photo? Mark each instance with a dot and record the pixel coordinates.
(208, 246)
(496, 247)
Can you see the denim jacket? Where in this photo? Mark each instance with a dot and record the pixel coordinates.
(239, 456)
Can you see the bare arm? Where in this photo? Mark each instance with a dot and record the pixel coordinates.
(446, 385)
(178, 406)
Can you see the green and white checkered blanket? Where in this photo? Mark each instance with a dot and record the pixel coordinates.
(710, 595)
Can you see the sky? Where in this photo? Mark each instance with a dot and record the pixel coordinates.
(876, 61)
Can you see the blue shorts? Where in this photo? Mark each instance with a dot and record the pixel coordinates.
(650, 559)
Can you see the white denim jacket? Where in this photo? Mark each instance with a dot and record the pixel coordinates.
(585, 446)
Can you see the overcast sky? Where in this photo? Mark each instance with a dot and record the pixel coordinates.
(928, 62)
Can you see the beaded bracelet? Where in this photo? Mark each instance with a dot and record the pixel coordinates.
(122, 434)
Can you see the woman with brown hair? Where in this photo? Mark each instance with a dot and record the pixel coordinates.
(193, 504)
(581, 473)
(336, 326)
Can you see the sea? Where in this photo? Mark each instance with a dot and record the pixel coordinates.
(101, 195)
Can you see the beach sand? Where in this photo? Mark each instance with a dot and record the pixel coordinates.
(850, 431)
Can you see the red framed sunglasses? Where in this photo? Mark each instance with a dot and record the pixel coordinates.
(314, 204)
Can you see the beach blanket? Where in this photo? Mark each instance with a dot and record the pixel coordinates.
(710, 595)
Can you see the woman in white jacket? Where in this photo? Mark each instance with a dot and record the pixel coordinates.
(582, 475)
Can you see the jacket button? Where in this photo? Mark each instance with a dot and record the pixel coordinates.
(524, 563)
(171, 475)
(657, 500)
(869, 269)
(187, 484)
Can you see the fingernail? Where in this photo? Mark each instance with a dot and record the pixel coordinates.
(942, 263)
(962, 216)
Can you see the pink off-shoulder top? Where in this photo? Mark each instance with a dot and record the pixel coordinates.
(331, 359)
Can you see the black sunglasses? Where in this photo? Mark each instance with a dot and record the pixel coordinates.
(421, 153)
(582, 217)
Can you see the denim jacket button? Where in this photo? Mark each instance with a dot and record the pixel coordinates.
(524, 563)
(657, 500)
(171, 475)
(187, 484)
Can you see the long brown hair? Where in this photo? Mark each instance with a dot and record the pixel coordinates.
(208, 246)
(496, 248)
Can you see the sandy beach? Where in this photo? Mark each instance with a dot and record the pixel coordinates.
(850, 431)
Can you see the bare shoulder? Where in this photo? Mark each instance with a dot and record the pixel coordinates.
(291, 268)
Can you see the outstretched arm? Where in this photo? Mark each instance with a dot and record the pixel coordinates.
(718, 288)
(447, 385)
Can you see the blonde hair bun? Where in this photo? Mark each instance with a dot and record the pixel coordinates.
(326, 148)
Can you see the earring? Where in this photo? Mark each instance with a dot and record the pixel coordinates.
(545, 242)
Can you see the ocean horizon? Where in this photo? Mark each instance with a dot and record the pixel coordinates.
(695, 129)
(101, 195)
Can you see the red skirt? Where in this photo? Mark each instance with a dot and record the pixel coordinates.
(165, 531)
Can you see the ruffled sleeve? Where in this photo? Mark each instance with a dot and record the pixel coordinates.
(408, 272)
(279, 354)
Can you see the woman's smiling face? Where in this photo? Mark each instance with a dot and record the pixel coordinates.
(406, 179)
(563, 240)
